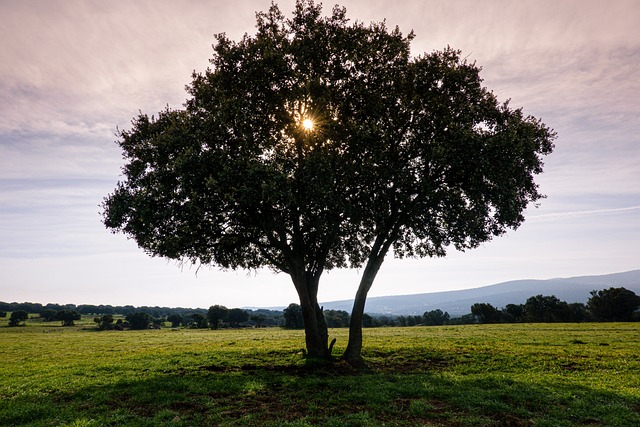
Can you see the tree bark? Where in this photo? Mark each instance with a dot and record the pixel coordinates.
(353, 353)
(315, 326)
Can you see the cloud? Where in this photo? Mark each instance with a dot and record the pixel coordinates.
(73, 70)
(100, 62)
(41, 217)
(43, 157)
(580, 214)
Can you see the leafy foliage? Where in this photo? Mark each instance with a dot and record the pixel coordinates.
(139, 320)
(18, 317)
(613, 304)
(406, 153)
(216, 314)
(336, 318)
(485, 313)
(435, 318)
(200, 321)
(236, 316)
(48, 315)
(541, 308)
(175, 320)
(293, 317)
(104, 322)
(68, 317)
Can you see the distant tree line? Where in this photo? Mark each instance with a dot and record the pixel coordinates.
(89, 309)
(608, 305)
(334, 318)
(109, 317)
(217, 316)
(340, 319)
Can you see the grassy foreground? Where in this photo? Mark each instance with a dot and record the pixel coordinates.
(502, 375)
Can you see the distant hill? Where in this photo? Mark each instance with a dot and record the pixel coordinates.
(457, 303)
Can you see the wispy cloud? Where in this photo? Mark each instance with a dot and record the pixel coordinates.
(580, 214)
(74, 70)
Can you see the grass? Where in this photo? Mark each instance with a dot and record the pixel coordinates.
(491, 375)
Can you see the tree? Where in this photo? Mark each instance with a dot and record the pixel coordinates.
(158, 322)
(435, 318)
(613, 305)
(546, 309)
(486, 313)
(237, 316)
(175, 320)
(104, 322)
(579, 312)
(139, 320)
(512, 313)
(259, 320)
(68, 317)
(199, 321)
(367, 321)
(318, 144)
(18, 317)
(49, 315)
(336, 318)
(293, 317)
(216, 314)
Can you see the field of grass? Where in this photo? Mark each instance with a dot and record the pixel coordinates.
(491, 375)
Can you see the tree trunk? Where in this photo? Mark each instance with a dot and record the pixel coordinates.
(353, 353)
(315, 326)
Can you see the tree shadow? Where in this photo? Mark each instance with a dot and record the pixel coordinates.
(337, 395)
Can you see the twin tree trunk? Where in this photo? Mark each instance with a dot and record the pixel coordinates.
(315, 326)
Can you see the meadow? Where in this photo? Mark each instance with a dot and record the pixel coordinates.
(473, 375)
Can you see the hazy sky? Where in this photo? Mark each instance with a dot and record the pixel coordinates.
(71, 72)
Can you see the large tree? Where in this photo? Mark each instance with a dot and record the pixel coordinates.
(546, 309)
(216, 314)
(17, 317)
(68, 317)
(613, 304)
(318, 144)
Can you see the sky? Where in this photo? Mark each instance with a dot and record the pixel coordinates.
(73, 72)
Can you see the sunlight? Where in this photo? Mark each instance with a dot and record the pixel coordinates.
(307, 124)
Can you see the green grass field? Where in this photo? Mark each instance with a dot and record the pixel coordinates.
(492, 375)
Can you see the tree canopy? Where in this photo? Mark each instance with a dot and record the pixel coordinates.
(139, 320)
(318, 144)
(68, 317)
(216, 314)
(18, 317)
(293, 317)
(613, 304)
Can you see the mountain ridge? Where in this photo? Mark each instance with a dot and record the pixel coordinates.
(458, 302)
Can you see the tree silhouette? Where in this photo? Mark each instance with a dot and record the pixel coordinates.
(68, 317)
(320, 144)
(17, 317)
(293, 317)
(486, 313)
(613, 304)
(236, 316)
(435, 317)
(139, 320)
(216, 314)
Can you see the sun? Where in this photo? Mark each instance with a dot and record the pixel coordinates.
(307, 124)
